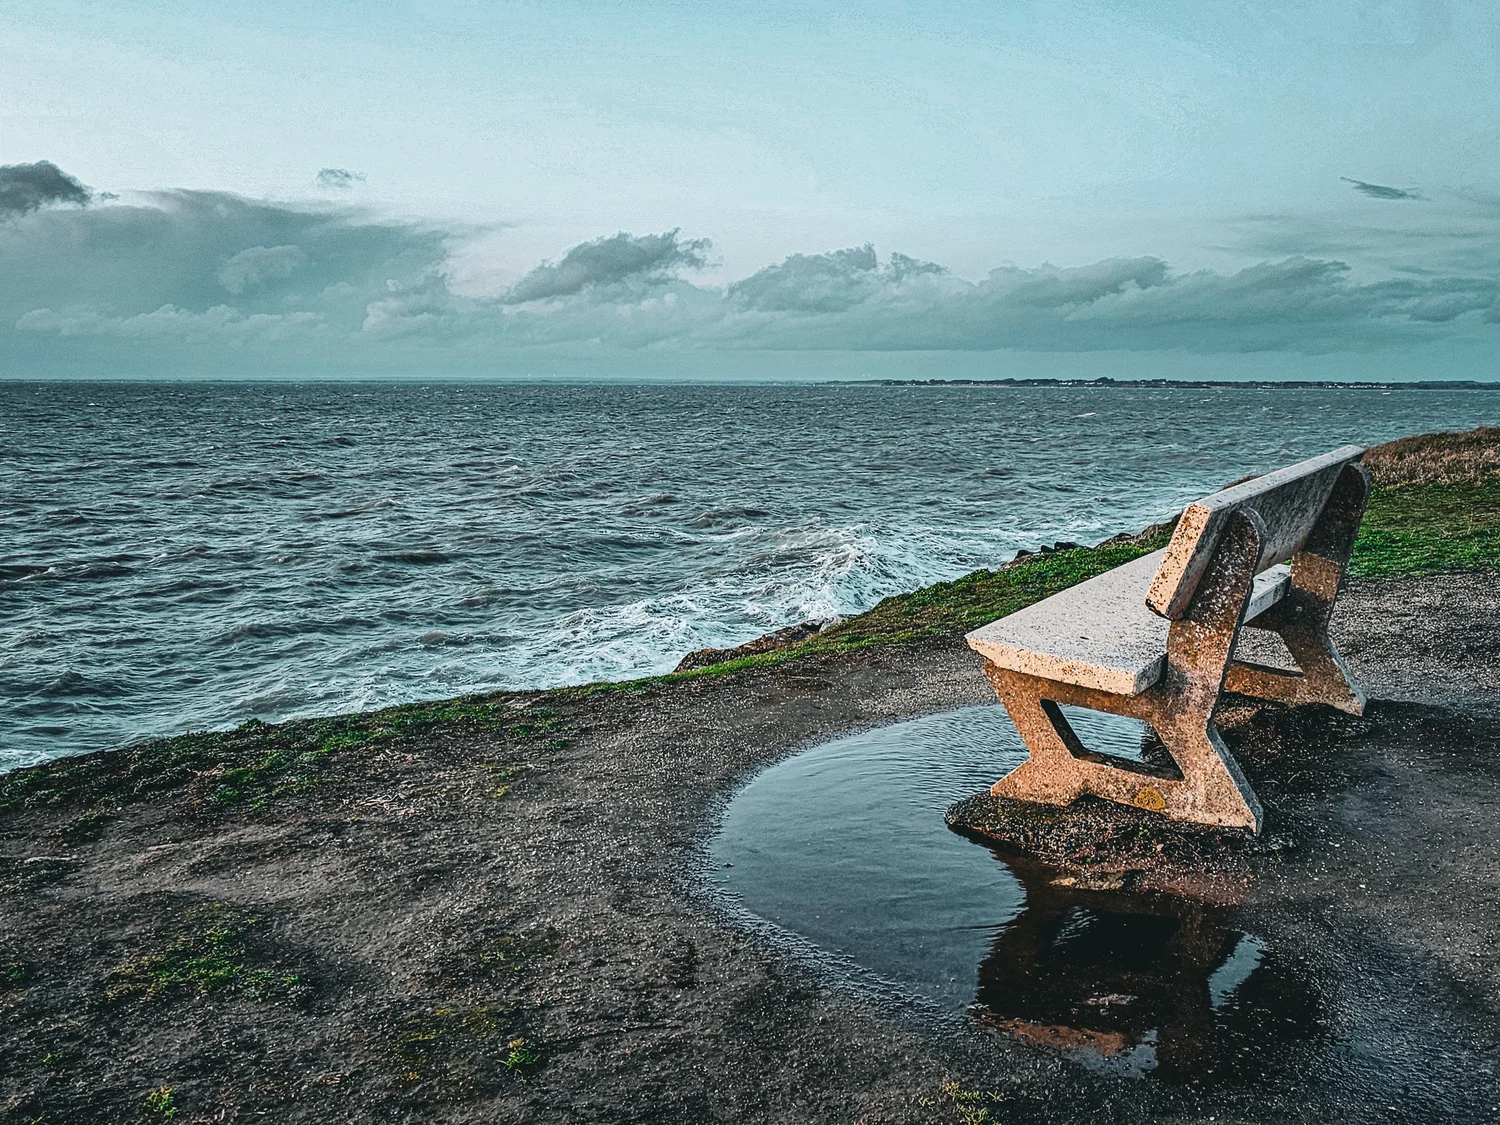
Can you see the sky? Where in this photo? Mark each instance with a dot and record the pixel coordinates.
(432, 188)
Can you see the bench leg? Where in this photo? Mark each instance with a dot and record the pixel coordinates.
(1211, 788)
(1301, 619)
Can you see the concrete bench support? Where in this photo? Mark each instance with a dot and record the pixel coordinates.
(1203, 587)
(1301, 618)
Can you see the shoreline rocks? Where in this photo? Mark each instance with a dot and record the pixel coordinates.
(768, 642)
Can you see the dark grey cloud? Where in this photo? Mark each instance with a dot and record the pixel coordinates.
(179, 274)
(28, 187)
(812, 283)
(900, 267)
(649, 258)
(1452, 234)
(1380, 191)
(191, 248)
(338, 179)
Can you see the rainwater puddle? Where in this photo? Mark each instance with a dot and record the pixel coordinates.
(844, 847)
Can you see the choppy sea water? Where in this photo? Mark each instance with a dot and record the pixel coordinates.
(186, 556)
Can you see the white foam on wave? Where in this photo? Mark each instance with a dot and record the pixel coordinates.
(770, 578)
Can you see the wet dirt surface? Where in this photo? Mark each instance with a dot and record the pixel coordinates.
(1150, 957)
(549, 953)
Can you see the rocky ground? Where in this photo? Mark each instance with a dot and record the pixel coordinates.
(505, 922)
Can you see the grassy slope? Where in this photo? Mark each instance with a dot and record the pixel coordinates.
(1435, 509)
(1429, 529)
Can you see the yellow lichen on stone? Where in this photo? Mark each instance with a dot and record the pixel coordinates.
(1149, 798)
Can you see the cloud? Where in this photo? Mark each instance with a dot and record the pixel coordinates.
(259, 264)
(812, 283)
(338, 179)
(27, 187)
(219, 322)
(620, 258)
(824, 283)
(189, 250)
(1380, 191)
(844, 300)
(425, 310)
(187, 277)
(900, 267)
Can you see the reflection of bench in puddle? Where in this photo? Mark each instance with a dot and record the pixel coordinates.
(1138, 983)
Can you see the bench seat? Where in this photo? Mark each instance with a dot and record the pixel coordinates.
(1100, 633)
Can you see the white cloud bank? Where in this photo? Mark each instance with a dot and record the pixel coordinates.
(316, 287)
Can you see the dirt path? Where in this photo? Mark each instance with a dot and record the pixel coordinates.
(504, 929)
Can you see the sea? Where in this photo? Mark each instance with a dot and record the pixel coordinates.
(188, 555)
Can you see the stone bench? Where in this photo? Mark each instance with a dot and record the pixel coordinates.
(1155, 639)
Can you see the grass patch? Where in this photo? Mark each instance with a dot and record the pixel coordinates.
(975, 599)
(521, 1057)
(511, 954)
(973, 1107)
(212, 957)
(1462, 457)
(160, 1104)
(458, 1052)
(1410, 529)
(86, 828)
(15, 974)
(463, 1048)
(1429, 528)
(943, 609)
(1435, 509)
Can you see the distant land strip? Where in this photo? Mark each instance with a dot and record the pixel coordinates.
(1106, 381)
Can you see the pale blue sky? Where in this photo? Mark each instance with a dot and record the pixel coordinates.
(1211, 137)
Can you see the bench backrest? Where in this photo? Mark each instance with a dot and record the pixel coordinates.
(1288, 503)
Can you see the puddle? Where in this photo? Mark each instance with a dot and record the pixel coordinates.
(1141, 984)
(845, 847)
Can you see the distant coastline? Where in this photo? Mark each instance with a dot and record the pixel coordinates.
(1257, 384)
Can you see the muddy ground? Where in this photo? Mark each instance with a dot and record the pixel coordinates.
(507, 929)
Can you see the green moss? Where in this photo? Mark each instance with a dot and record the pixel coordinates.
(212, 957)
(1411, 530)
(90, 826)
(521, 1057)
(1422, 529)
(968, 602)
(510, 954)
(1416, 529)
(973, 1107)
(944, 609)
(257, 763)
